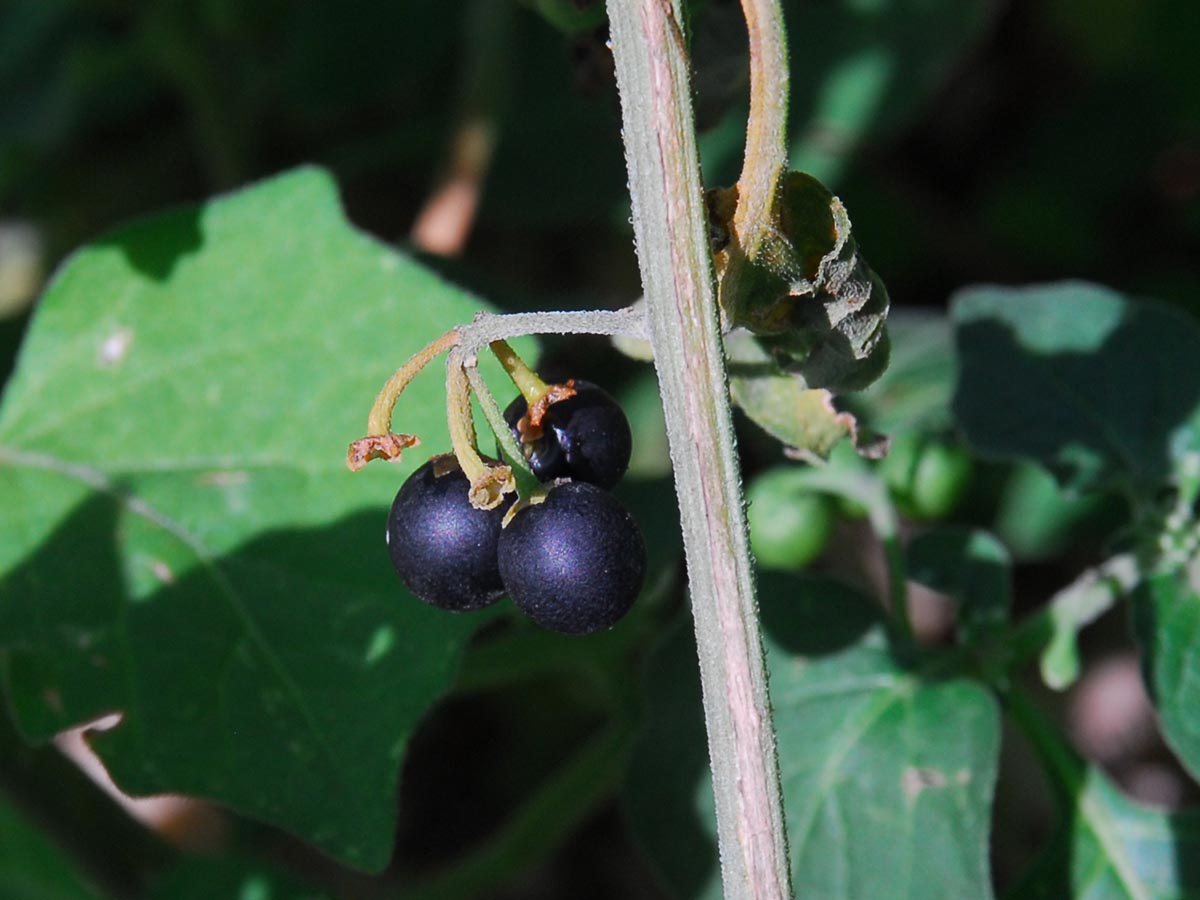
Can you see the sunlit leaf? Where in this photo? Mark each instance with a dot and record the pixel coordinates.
(181, 541)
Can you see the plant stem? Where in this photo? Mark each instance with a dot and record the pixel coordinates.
(1078, 604)
(527, 483)
(671, 231)
(488, 327)
(379, 420)
(531, 386)
(765, 160)
(489, 484)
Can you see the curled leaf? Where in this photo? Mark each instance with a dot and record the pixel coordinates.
(805, 419)
(808, 292)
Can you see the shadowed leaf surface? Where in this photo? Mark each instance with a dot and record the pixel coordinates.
(32, 867)
(887, 771)
(1094, 386)
(182, 542)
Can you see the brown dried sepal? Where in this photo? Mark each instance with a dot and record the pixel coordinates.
(488, 489)
(537, 412)
(379, 446)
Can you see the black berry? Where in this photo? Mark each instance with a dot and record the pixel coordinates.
(573, 563)
(443, 548)
(585, 437)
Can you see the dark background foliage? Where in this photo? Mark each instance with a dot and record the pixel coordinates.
(1011, 141)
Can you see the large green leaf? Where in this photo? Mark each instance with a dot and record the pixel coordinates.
(1167, 615)
(32, 867)
(1094, 386)
(1107, 847)
(887, 769)
(181, 541)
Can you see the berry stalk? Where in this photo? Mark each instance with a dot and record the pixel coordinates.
(532, 387)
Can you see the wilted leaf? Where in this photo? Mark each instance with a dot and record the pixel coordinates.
(887, 770)
(182, 542)
(803, 419)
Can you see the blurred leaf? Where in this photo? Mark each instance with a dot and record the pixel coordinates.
(887, 771)
(875, 65)
(570, 16)
(1106, 846)
(1038, 520)
(913, 393)
(182, 542)
(1167, 619)
(205, 879)
(1072, 375)
(974, 568)
(564, 104)
(642, 404)
(32, 867)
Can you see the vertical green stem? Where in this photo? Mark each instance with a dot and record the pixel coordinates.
(670, 227)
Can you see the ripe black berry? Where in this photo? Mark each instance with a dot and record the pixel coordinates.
(585, 437)
(573, 563)
(443, 548)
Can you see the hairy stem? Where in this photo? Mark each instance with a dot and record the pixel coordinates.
(670, 227)
(766, 128)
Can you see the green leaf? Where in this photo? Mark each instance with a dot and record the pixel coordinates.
(1096, 387)
(974, 568)
(804, 419)
(1106, 846)
(887, 770)
(32, 867)
(182, 542)
(913, 393)
(1038, 520)
(205, 878)
(1167, 621)
(1112, 848)
(570, 16)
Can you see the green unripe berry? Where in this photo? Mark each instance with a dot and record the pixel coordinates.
(928, 476)
(790, 523)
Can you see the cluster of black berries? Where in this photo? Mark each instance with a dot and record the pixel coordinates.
(573, 562)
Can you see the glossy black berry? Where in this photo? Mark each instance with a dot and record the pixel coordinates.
(442, 547)
(585, 437)
(573, 563)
